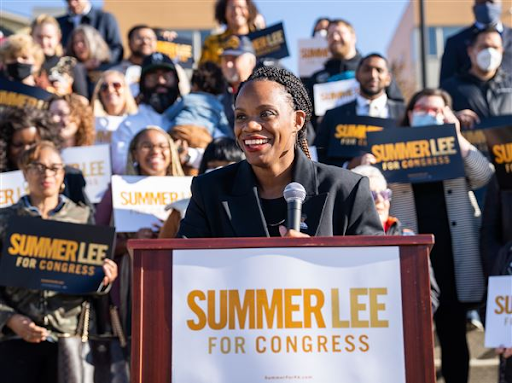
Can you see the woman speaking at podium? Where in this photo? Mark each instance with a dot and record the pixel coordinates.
(246, 199)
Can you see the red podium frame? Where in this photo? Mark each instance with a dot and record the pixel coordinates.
(152, 297)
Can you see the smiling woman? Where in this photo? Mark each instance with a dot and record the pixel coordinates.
(246, 199)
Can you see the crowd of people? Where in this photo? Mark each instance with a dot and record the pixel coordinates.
(160, 122)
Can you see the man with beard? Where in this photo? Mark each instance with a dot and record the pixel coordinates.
(341, 39)
(238, 61)
(158, 90)
(374, 77)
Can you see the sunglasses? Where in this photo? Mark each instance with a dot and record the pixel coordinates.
(105, 86)
(385, 194)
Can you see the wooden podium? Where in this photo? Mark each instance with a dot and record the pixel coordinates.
(152, 297)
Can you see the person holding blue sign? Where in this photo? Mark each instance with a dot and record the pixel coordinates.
(448, 210)
(31, 321)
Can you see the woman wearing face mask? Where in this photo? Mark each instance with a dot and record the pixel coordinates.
(112, 102)
(246, 199)
(448, 209)
(240, 18)
(21, 59)
(74, 120)
(320, 28)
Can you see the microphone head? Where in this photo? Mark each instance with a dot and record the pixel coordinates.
(294, 191)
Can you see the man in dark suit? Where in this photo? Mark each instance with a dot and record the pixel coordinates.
(82, 12)
(374, 77)
(455, 58)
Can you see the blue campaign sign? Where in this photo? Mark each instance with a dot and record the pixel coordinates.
(50, 255)
(415, 155)
(348, 134)
(499, 141)
(180, 50)
(476, 135)
(270, 42)
(18, 95)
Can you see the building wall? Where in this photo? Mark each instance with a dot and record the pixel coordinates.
(443, 19)
(173, 14)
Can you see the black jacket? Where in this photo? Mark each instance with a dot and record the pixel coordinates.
(225, 202)
(455, 57)
(335, 116)
(487, 99)
(105, 23)
(496, 229)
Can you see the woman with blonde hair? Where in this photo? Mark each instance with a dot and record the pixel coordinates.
(74, 118)
(21, 59)
(45, 31)
(112, 102)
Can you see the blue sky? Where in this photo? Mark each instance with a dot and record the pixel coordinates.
(374, 20)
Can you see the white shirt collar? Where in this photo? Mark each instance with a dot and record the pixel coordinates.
(380, 102)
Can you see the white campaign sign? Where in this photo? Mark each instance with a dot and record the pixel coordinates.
(498, 324)
(105, 127)
(313, 53)
(291, 314)
(139, 202)
(94, 162)
(12, 187)
(331, 94)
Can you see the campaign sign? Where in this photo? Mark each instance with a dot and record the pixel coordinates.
(348, 137)
(498, 323)
(313, 53)
(139, 202)
(476, 135)
(499, 142)
(270, 42)
(414, 155)
(294, 314)
(180, 50)
(51, 255)
(12, 187)
(18, 95)
(105, 127)
(331, 94)
(94, 162)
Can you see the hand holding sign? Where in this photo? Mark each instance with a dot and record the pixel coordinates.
(110, 270)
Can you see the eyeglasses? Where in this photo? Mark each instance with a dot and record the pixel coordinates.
(426, 109)
(40, 168)
(385, 195)
(153, 78)
(147, 147)
(106, 86)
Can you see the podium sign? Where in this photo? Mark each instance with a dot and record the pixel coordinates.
(258, 309)
(256, 314)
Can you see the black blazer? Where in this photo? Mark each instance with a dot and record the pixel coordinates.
(225, 203)
(335, 116)
(455, 57)
(105, 23)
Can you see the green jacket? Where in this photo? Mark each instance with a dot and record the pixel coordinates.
(57, 312)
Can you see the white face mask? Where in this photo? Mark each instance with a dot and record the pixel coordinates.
(321, 33)
(426, 119)
(489, 59)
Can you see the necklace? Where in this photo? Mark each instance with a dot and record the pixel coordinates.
(276, 224)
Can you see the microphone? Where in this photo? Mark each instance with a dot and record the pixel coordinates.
(294, 194)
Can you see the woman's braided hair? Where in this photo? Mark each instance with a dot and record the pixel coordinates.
(295, 90)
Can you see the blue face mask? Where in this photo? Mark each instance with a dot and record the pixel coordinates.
(487, 13)
(425, 119)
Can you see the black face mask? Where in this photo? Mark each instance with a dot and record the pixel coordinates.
(161, 101)
(19, 71)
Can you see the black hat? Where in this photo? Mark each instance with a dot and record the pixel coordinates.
(155, 61)
(238, 45)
